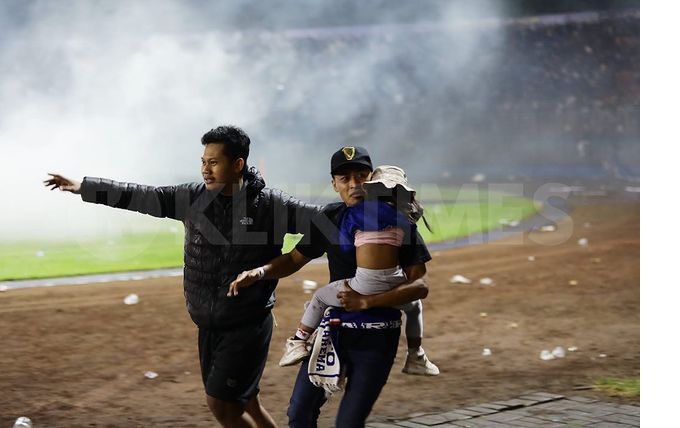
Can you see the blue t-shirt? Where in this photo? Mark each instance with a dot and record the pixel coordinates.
(371, 216)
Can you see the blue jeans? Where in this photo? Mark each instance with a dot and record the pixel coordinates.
(367, 356)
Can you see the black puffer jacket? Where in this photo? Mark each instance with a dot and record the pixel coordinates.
(223, 236)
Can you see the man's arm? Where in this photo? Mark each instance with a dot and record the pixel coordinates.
(155, 201)
(298, 213)
(280, 267)
(413, 289)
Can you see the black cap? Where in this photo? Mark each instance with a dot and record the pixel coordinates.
(350, 156)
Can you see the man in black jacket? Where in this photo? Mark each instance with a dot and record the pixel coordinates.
(232, 223)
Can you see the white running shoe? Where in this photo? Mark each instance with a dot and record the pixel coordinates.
(296, 351)
(419, 365)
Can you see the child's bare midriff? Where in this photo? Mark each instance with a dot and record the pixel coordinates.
(377, 256)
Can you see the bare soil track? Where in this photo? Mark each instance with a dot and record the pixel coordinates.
(75, 356)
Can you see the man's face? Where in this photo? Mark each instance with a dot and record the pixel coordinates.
(348, 183)
(218, 170)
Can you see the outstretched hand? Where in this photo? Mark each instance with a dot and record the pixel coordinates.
(351, 300)
(62, 183)
(243, 280)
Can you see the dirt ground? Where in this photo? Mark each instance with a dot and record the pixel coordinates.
(76, 355)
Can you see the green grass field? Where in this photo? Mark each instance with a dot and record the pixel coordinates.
(619, 387)
(163, 248)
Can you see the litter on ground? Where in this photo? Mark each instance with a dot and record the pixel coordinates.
(546, 355)
(150, 375)
(486, 281)
(460, 279)
(558, 352)
(131, 299)
(309, 285)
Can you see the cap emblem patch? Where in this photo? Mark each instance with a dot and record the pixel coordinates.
(348, 152)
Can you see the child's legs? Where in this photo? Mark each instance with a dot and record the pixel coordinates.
(323, 297)
(414, 322)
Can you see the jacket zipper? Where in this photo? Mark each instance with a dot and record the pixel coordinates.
(216, 291)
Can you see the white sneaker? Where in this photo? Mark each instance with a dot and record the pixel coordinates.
(419, 365)
(296, 351)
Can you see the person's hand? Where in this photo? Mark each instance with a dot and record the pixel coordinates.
(351, 300)
(64, 184)
(245, 279)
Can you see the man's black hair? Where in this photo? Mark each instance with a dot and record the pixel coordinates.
(234, 140)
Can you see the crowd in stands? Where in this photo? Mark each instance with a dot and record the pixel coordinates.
(524, 90)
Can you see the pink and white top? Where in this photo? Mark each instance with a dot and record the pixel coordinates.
(391, 236)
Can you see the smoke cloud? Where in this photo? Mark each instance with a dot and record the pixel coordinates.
(125, 90)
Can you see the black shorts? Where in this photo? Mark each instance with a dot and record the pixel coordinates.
(232, 360)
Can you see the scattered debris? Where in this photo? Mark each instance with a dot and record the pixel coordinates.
(309, 285)
(558, 352)
(572, 348)
(486, 352)
(531, 258)
(513, 325)
(547, 355)
(583, 242)
(150, 375)
(483, 314)
(3, 288)
(459, 279)
(23, 422)
(187, 373)
(131, 299)
(602, 355)
(486, 281)
(548, 228)
(573, 282)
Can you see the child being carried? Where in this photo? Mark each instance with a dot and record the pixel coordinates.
(377, 228)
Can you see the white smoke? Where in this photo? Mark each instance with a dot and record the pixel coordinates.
(125, 90)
